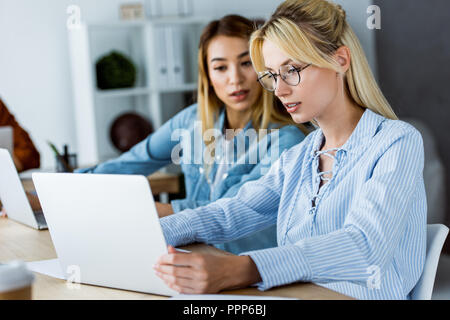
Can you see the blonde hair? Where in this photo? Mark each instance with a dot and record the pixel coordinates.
(264, 111)
(311, 31)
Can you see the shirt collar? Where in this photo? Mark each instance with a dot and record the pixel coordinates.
(367, 128)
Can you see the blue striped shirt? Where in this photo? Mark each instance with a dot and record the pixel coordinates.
(362, 234)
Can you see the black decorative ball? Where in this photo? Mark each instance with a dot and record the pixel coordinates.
(128, 130)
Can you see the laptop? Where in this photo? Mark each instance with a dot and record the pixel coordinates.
(6, 138)
(13, 197)
(106, 226)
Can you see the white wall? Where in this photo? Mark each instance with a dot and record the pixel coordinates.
(34, 60)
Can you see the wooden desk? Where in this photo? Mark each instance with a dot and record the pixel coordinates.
(18, 242)
(159, 182)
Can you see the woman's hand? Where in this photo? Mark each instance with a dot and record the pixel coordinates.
(205, 273)
(3, 213)
(164, 209)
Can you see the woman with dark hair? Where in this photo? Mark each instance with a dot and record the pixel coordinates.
(230, 137)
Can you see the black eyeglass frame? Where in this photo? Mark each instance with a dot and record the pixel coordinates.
(276, 75)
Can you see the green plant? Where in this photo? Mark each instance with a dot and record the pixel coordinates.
(115, 70)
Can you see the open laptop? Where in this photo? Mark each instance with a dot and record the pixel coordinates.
(13, 197)
(6, 138)
(106, 226)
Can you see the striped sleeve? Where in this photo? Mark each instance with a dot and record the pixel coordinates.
(254, 208)
(371, 232)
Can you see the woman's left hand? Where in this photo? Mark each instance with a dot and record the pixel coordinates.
(195, 273)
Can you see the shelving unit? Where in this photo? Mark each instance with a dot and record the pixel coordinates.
(152, 97)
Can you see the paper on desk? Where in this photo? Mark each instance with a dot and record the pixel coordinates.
(225, 297)
(50, 268)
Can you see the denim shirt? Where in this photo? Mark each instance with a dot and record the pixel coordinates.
(363, 233)
(180, 140)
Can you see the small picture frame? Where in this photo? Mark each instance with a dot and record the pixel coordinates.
(132, 11)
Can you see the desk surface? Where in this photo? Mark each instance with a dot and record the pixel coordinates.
(18, 242)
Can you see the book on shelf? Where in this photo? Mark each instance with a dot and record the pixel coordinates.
(162, 58)
(174, 45)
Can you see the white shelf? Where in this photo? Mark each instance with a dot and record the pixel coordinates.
(128, 92)
(172, 20)
(153, 96)
(177, 88)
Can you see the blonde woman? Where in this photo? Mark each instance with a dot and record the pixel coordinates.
(231, 136)
(349, 201)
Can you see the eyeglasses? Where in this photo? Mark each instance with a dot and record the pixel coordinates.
(289, 74)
